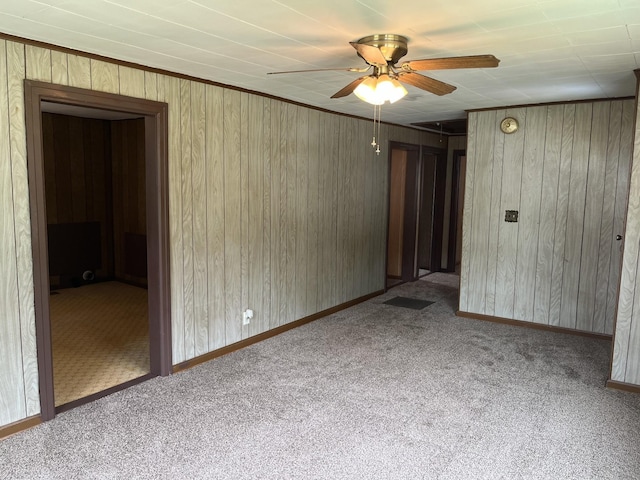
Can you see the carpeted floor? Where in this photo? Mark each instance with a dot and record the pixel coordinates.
(100, 337)
(372, 392)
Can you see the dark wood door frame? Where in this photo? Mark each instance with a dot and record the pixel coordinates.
(453, 212)
(156, 164)
(440, 185)
(411, 197)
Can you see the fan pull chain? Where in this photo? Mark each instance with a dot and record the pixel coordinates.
(373, 142)
(378, 132)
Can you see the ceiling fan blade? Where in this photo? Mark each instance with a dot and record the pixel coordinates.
(426, 83)
(372, 55)
(472, 61)
(360, 70)
(349, 88)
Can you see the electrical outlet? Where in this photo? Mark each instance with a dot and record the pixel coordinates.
(247, 315)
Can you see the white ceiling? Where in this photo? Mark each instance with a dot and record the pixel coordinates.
(551, 50)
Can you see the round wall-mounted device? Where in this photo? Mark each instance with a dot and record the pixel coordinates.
(509, 125)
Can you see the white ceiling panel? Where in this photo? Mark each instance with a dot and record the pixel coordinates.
(550, 50)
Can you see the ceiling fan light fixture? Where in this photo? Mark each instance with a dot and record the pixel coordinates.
(398, 91)
(367, 91)
(378, 90)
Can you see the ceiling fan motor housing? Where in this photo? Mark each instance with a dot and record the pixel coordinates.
(392, 46)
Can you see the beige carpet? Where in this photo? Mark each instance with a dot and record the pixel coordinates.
(442, 278)
(100, 338)
(374, 392)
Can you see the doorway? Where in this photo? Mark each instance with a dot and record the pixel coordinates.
(73, 256)
(454, 253)
(417, 184)
(431, 204)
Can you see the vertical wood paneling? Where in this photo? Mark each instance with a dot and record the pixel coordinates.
(232, 215)
(244, 206)
(379, 195)
(131, 82)
(199, 191)
(608, 218)
(561, 170)
(345, 218)
(79, 73)
(300, 215)
(38, 63)
(382, 182)
(312, 213)
(510, 200)
(59, 68)
(370, 231)
(76, 160)
(119, 157)
(593, 216)
(529, 218)
(480, 216)
(467, 214)
(335, 133)
(353, 215)
(104, 76)
(548, 209)
(187, 216)
(495, 215)
(562, 210)
(64, 198)
(138, 130)
(255, 216)
(214, 166)
(22, 219)
(620, 208)
(12, 387)
(171, 88)
(128, 185)
(287, 124)
(266, 290)
(359, 228)
(626, 349)
(632, 374)
(93, 136)
(575, 215)
(277, 279)
(290, 231)
(151, 86)
(330, 210)
(50, 188)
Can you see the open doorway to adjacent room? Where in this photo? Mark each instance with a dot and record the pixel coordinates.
(95, 204)
(97, 167)
(417, 185)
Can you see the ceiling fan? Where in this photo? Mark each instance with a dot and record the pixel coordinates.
(382, 53)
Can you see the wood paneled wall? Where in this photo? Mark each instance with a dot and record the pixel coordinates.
(625, 366)
(566, 172)
(77, 161)
(129, 199)
(273, 207)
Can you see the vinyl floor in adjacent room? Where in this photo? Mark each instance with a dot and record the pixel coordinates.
(100, 338)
